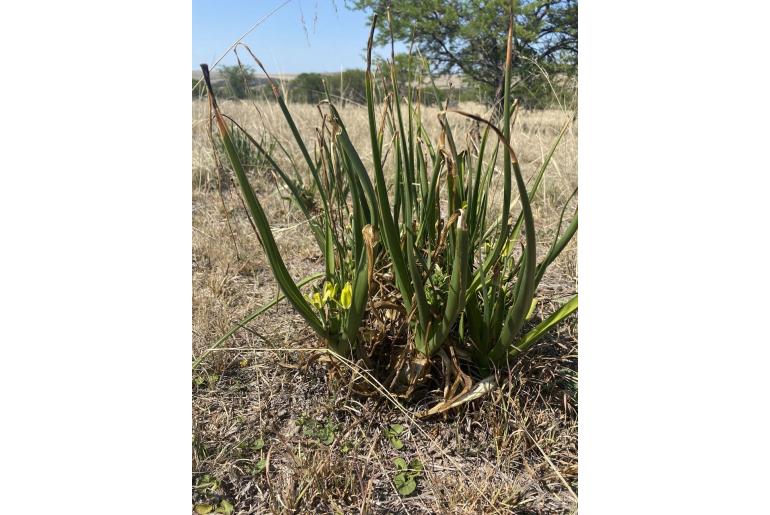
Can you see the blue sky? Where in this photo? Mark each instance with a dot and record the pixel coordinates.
(330, 39)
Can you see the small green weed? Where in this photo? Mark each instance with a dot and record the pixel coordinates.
(204, 380)
(210, 497)
(324, 433)
(392, 434)
(406, 476)
(224, 507)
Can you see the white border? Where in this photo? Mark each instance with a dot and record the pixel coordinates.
(96, 256)
(673, 196)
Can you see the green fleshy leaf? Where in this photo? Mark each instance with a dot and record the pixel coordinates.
(225, 507)
(405, 485)
(416, 466)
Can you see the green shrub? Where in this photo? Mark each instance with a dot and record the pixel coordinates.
(346, 86)
(307, 88)
(238, 80)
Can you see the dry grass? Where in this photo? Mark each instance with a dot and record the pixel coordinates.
(511, 452)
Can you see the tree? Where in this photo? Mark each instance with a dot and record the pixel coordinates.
(469, 36)
(411, 70)
(238, 80)
(409, 67)
(353, 85)
(307, 87)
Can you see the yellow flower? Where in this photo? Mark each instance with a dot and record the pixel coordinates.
(315, 300)
(330, 291)
(346, 296)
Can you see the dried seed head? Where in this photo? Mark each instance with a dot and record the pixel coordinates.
(371, 235)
